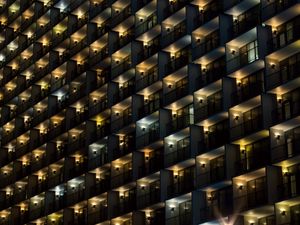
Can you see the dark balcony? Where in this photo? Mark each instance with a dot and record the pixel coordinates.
(276, 7)
(216, 136)
(126, 90)
(285, 74)
(152, 164)
(127, 203)
(174, 7)
(183, 219)
(214, 175)
(148, 137)
(101, 131)
(219, 205)
(97, 215)
(100, 186)
(284, 37)
(182, 152)
(122, 178)
(98, 160)
(120, 16)
(149, 50)
(246, 91)
(212, 106)
(248, 126)
(211, 42)
(287, 110)
(289, 188)
(182, 184)
(255, 156)
(121, 122)
(245, 21)
(98, 106)
(151, 197)
(121, 67)
(98, 56)
(179, 122)
(290, 148)
(150, 76)
(126, 146)
(150, 107)
(180, 91)
(256, 195)
(96, 8)
(146, 25)
(248, 54)
(177, 63)
(178, 31)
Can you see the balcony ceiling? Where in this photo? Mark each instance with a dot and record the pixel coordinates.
(242, 7)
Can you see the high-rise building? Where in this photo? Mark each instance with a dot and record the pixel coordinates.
(150, 112)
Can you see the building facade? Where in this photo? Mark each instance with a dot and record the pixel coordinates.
(150, 112)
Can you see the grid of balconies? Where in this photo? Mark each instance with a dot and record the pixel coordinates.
(149, 112)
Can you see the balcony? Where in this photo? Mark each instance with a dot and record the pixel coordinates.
(152, 164)
(99, 106)
(182, 152)
(150, 49)
(211, 42)
(214, 175)
(150, 76)
(179, 122)
(98, 215)
(211, 107)
(285, 74)
(121, 67)
(101, 131)
(178, 62)
(216, 136)
(126, 145)
(101, 186)
(287, 110)
(289, 148)
(218, 205)
(249, 125)
(245, 21)
(127, 203)
(253, 157)
(247, 91)
(98, 160)
(124, 91)
(284, 37)
(148, 137)
(118, 17)
(121, 122)
(256, 195)
(149, 198)
(183, 219)
(122, 178)
(276, 7)
(178, 31)
(180, 91)
(146, 25)
(150, 107)
(174, 7)
(97, 8)
(182, 184)
(247, 54)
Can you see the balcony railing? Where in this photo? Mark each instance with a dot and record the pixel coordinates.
(180, 122)
(177, 63)
(252, 199)
(150, 198)
(183, 185)
(286, 150)
(150, 22)
(149, 78)
(214, 139)
(177, 93)
(245, 92)
(148, 137)
(121, 67)
(181, 153)
(183, 219)
(178, 31)
(123, 121)
(101, 186)
(98, 107)
(286, 112)
(153, 165)
(212, 176)
(150, 107)
(97, 215)
(282, 76)
(282, 39)
(205, 47)
(121, 179)
(247, 127)
(121, 16)
(210, 108)
(276, 7)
